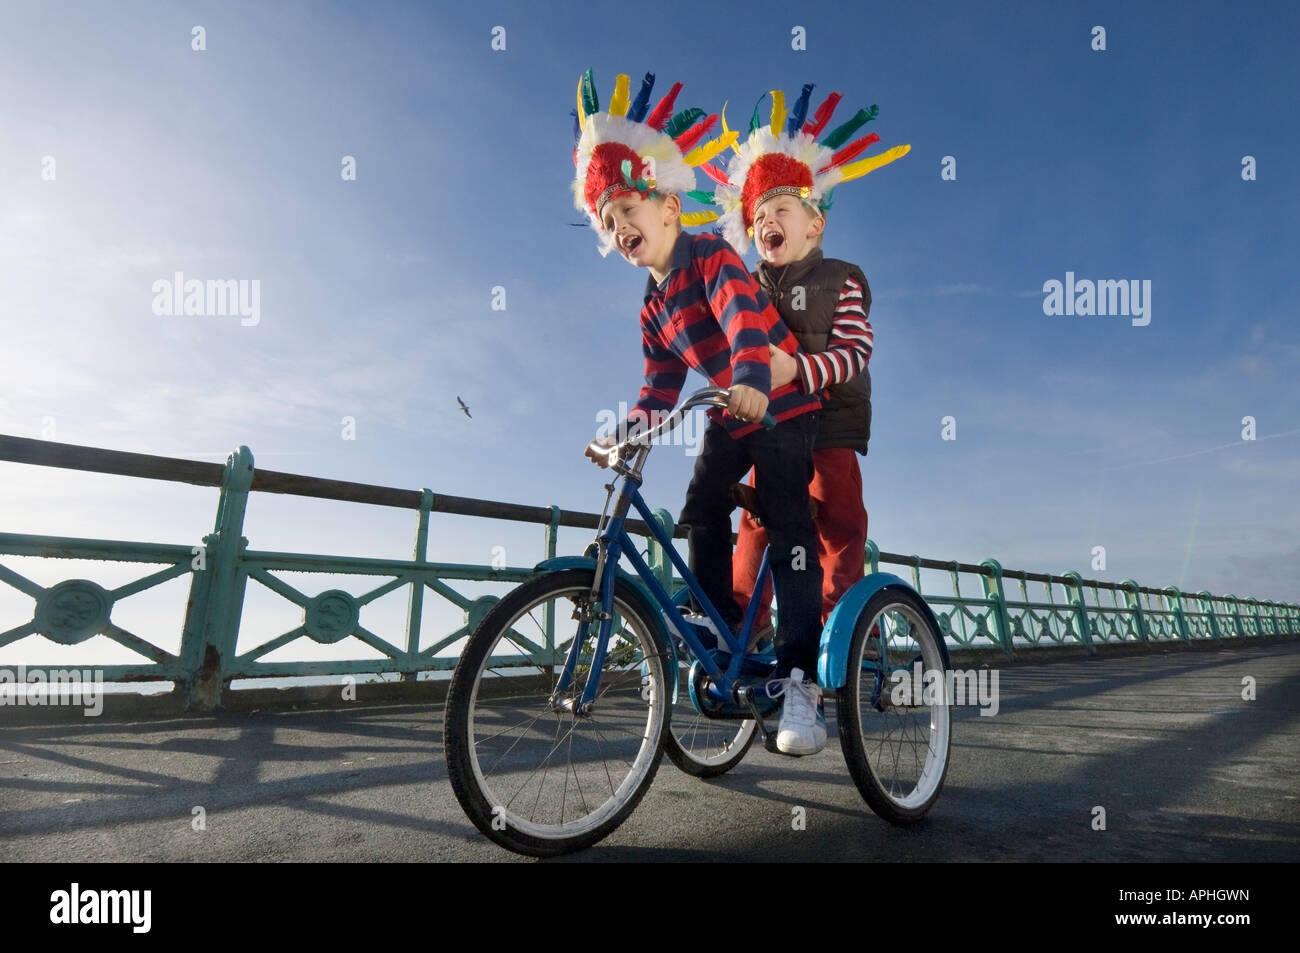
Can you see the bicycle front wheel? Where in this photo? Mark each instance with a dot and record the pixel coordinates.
(531, 772)
(896, 739)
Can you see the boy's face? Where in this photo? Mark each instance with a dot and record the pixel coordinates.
(785, 230)
(644, 230)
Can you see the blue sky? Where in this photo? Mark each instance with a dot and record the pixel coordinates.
(1072, 432)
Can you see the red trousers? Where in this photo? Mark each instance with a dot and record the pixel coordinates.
(841, 534)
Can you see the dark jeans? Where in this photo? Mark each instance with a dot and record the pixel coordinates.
(782, 460)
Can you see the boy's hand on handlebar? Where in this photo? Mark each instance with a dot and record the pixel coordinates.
(747, 404)
(784, 367)
(597, 451)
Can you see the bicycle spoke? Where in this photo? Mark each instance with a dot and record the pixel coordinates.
(558, 726)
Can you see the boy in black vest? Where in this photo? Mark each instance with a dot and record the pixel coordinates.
(777, 193)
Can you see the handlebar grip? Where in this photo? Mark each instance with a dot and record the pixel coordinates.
(768, 421)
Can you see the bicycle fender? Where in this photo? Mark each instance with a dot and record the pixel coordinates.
(640, 593)
(832, 661)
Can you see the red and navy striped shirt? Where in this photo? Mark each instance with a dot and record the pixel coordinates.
(849, 348)
(710, 314)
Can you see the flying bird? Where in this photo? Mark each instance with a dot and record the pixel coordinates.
(464, 407)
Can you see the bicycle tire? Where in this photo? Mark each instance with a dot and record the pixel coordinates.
(867, 709)
(632, 704)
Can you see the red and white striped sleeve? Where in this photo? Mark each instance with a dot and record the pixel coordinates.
(849, 348)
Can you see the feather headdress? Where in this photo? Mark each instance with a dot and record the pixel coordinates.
(632, 148)
(783, 157)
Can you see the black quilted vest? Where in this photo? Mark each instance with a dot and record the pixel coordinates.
(846, 418)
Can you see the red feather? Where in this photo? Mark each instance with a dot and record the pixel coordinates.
(716, 174)
(849, 152)
(687, 140)
(664, 111)
(822, 116)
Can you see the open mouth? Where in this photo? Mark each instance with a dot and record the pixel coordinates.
(630, 244)
(773, 240)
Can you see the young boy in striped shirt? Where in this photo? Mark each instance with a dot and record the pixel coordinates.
(703, 310)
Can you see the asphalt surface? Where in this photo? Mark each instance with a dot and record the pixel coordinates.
(1185, 769)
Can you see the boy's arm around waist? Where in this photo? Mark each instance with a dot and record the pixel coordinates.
(851, 340)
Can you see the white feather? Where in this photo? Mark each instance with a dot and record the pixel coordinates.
(801, 147)
(672, 175)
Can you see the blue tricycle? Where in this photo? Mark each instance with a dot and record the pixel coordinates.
(550, 752)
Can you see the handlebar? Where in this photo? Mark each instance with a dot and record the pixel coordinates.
(719, 397)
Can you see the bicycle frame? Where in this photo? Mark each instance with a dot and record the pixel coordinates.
(612, 544)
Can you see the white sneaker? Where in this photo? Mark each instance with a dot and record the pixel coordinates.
(803, 721)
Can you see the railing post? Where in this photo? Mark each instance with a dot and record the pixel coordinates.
(1174, 598)
(551, 532)
(1074, 595)
(220, 629)
(958, 611)
(1236, 615)
(415, 605)
(1207, 605)
(1259, 622)
(873, 556)
(660, 564)
(551, 539)
(1134, 600)
(1031, 636)
(993, 591)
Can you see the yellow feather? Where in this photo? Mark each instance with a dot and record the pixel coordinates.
(618, 105)
(703, 153)
(582, 118)
(691, 219)
(728, 132)
(778, 111)
(855, 170)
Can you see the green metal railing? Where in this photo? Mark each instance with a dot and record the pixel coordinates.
(1068, 610)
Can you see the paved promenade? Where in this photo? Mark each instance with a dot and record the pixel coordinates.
(1185, 768)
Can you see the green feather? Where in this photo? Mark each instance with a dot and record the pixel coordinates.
(590, 104)
(641, 185)
(754, 120)
(683, 121)
(704, 198)
(841, 133)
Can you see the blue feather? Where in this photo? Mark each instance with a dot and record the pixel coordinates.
(800, 111)
(641, 105)
(577, 127)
